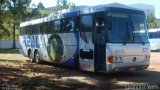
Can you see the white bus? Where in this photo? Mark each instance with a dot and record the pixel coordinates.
(154, 39)
(103, 38)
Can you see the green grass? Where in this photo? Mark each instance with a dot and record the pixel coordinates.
(10, 62)
(9, 51)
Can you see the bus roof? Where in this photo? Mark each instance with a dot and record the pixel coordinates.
(79, 11)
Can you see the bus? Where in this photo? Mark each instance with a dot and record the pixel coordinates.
(104, 38)
(154, 39)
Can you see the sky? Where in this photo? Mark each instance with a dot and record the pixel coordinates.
(156, 3)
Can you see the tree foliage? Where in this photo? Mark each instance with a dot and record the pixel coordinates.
(40, 5)
(3, 16)
(151, 21)
(64, 4)
(17, 11)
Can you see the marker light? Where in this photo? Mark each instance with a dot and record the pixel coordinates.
(110, 59)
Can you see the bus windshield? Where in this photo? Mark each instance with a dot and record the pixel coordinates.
(126, 28)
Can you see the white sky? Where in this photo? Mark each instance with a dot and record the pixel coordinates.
(156, 3)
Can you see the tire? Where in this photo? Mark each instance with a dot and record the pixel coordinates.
(37, 57)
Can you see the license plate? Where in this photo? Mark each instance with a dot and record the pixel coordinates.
(132, 68)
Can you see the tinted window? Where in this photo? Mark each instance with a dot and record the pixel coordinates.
(37, 29)
(33, 29)
(86, 23)
(30, 30)
(42, 28)
(56, 25)
(22, 30)
(118, 31)
(46, 26)
(68, 25)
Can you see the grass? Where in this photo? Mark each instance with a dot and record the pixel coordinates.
(9, 51)
(11, 62)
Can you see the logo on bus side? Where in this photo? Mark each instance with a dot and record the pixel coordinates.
(31, 41)
(55, 48)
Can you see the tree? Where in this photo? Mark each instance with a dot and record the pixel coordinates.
(64, 4)
(40, 5)
(34, 13)
(3, 16)
(33, 6)
(151, 21)
(17, 9)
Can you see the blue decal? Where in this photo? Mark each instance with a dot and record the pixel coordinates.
(28, 42)
(37, 43)
(24, 40)
(31, 41)
(71, 62)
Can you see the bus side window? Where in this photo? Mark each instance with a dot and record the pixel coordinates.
(30, 30)
(77, 23)
(86, 23)
(46, 27)
(52, 27)
(42, 28)
(33, 30)
(24, 31)
(68, 25)
(56, 26)
(21, 31)
(72, 25)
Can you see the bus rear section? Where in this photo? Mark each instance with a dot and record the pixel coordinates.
(129, 57)
(119, 42)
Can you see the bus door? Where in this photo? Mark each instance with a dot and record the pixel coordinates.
(99, 42)
(86, 46)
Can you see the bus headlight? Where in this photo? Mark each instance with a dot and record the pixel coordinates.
(118, 59)
(147, 58)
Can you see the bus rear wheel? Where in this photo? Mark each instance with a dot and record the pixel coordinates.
(36, 57)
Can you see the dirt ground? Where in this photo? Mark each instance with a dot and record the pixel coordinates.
(17, 72)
